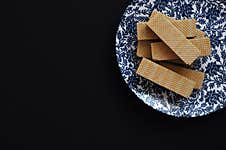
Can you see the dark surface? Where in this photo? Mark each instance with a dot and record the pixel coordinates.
(61, 87)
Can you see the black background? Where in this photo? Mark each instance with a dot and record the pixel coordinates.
(61, 87)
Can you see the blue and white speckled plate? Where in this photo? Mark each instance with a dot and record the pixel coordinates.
(211, 18)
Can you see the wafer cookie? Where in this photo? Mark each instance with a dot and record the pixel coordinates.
(187, 26)
(173, 38)
(196, 76)
(166, 78)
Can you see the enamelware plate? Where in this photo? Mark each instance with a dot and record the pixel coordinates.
(211, 18)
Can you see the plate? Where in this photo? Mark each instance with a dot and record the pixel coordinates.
(211, 18)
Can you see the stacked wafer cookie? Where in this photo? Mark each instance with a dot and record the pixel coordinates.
(164, 42)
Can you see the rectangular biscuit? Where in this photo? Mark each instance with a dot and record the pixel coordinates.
(196, 76)
(187, 26)
(166, 78)
(174, 38)
(144, 49)
(160, 51)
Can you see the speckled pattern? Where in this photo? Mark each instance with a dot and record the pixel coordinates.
(211, 18)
